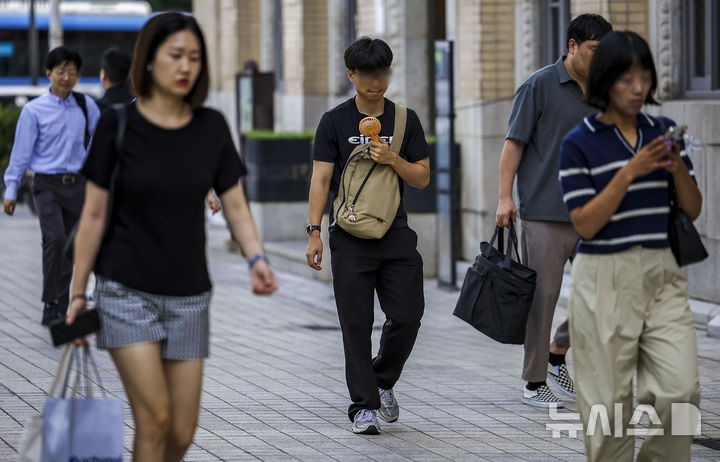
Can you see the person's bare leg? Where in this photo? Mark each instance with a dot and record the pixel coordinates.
(141, 370)
(184, 379)
(556, 349)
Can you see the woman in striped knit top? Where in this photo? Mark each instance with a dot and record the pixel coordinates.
(628, 306)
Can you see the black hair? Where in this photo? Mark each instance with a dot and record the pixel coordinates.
(116, 64)
(367, 54)
(62, 55)
(587, 27)
(617, 53)
(151, 36)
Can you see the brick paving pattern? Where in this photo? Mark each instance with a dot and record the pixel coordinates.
(274, 385)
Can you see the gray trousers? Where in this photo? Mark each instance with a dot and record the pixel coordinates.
(545, 247)
(58, 207)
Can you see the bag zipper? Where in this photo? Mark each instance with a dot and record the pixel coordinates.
(342, 181)
(357, 194)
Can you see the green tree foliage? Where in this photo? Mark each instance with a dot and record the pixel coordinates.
(8, 120)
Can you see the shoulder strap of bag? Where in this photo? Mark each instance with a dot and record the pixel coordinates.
(121, 111)
(121, 126)
(399, 129)
(80, 98)
(672, 194)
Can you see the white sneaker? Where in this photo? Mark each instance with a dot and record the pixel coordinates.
(366, 423)
(389, 410)
(542, 397)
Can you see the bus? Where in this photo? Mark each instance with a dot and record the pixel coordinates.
(89, 27)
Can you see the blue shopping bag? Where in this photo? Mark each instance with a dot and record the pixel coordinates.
(31, 441)
(82, 428)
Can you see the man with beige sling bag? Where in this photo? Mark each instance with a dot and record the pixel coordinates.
(372, 247)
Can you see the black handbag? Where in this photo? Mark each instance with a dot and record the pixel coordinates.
(685, 242)
(498, 291)
(120, 110)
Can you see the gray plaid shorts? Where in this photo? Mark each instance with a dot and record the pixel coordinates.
(129, 316)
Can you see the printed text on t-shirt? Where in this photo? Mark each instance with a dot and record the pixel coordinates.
(366, 139)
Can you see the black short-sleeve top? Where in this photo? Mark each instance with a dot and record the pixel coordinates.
(155, 241)
(338, 134)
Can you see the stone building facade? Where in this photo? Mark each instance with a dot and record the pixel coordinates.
(303, 41)
(484, 32)
(498, 44)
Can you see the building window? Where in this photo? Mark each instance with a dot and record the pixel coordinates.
(702, 18)
(556, 18)
(351, 31)
(350, 7)
(278, 39)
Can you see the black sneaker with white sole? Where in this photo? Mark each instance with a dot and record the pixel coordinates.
(542, 397)
(560, 378)
(366, 423)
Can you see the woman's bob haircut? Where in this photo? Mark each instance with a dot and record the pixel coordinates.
(615, 55)
(151, 36)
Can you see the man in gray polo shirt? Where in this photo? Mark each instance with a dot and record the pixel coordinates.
(546, 107)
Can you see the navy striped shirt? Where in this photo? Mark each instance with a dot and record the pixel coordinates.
(590, 156)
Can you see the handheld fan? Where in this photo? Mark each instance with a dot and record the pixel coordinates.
(370, 126)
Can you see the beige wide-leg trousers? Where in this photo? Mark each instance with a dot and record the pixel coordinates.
(629, 313)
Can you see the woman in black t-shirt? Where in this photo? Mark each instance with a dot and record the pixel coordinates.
(153, 288)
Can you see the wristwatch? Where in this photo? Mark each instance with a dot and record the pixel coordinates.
(310, 228)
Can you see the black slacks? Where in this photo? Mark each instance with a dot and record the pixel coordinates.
(58, 207)
(393, 267)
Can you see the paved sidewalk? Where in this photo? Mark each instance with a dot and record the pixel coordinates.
(274, 385)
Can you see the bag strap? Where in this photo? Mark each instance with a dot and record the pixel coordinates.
(73, 359)
(399, 129)
(500, 235)
(511, 244)
(80, 98)
(121, 111)
(63, 372)
(90, 359)
(672, 193)
(81, 369)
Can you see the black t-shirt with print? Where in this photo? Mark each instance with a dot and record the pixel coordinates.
(156, 239)
(338, 134)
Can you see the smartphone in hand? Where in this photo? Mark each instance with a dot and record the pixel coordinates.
(86, 322)
(675, 133)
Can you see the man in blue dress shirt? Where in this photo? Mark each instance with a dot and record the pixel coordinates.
(51, 139)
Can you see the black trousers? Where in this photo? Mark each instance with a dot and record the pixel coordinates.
(393, 267)
(58, 207)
